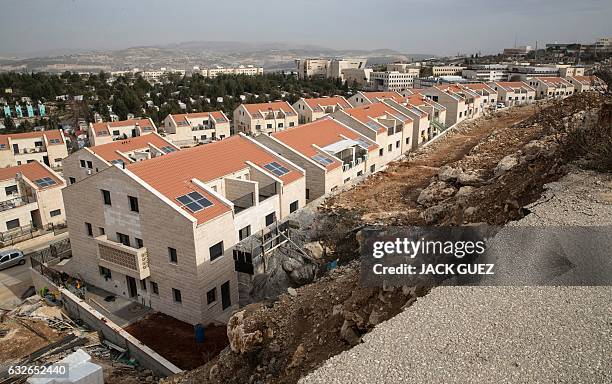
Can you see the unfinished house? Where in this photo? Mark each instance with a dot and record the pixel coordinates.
(255, 119)
(313, 109)
(161, 231)
(551, 87)
(389, 128)
(512, 93)
(331, 153)
(189, 129)
(31, 197)
(91, 160)
(102, 133)
(46, 147)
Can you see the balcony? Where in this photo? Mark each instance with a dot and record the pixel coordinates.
(16, 202)
(243, 202)
(267, 191)
(130, 261)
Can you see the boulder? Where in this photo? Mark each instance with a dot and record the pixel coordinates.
(292, 291)
(470, 178)
(348, 334)
(432, 214)
(447, 173)
(506, 164)
(539, 148)
(314, 249)
(435, 192)
(241, 341)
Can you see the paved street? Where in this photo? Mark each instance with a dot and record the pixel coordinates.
(15, 281)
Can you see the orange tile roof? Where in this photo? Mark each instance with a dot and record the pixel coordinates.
(171, 174)
(109, 151)
(477, 86)
(587, 79)
(98, 128)
(327, 101)
(554, 80)
(274, 106)
(513, 84)
(382, 95)
(50, 134)
(368, 112)
(322, 133)
(32, 171)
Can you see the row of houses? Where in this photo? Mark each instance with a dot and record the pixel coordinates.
(160, 223)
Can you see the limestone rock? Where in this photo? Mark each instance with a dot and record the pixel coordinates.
(314, 249)
(506, 164)
(240, 340)
(435, 192)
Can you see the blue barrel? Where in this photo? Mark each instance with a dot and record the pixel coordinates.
(199, 333)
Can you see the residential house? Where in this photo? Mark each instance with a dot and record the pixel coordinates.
(30, 197)
(551, 87)
(47, 147)
(161, 231)
(313, 109)
(364, 98)
(586, 83)
(91, 160)
(254, 119)
(331, 153)
(488, 96)
(102, 133)
(189, 129)
(512, 93)
(391, 129)
(460, 103)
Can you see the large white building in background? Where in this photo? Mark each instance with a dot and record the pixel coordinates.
(392, 81)
(249, 70)
(327, 68)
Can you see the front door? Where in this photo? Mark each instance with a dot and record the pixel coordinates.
(131, 282)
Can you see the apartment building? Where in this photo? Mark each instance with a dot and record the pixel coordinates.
(161, 231)
(102, 133)
(442, 70)
(513, 93)
(405, 68)
(327, 68)
(46, 147)
(91, 160)
(248, 70)
(331, 153)
(189, 129)
(30, 196)
(365, 98)
(254, 119)
(391, 81)
(488, 96)
(551, 87)
(313, 109)
(568, 70)
(391, 129)
(460, 103)
(486, 73)
(357, 77)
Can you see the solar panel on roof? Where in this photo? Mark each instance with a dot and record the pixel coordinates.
(372, 125)
(322, 160)
(54, 141)
(167, 149)
(194, 201)
(276, 168)
(44, 182)
(362, 143)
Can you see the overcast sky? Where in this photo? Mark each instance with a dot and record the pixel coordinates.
(409, 26)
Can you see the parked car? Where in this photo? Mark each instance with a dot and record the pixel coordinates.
(11, 257)
(501, 105)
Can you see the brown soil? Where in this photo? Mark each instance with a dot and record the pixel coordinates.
(175, 340)
(20, 341)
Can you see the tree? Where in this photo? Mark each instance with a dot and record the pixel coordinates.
(9, 125)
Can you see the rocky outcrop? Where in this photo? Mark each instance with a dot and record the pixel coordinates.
(240, 340)
(435, 193)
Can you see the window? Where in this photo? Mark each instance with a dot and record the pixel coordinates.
(139, 243)
(123, 239)
(172, 255)
(211, 296)
(72, 180)
(55, 212)
(143, 284)
(10, 189)
(390, 148)
(276, 168)
(359, 173)
(82, 163)
(381, 151)
(293, 207)
(291, 123)
(12, 224)
(216, 251)
(133, 203)
(89, 229)
(89, 165)
(225, 295)
(154, 287)
(269, 126)
(307, 193)
(372, 168)
(460, 114)
(258, 126)
(244, 232)
(105, 272)
(106, 197)
(116, 132)
(101, 230)
(270, 218)
(194, 201)
(176, 294)
(397, 144)
(407, 141)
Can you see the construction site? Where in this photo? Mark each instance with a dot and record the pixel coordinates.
(305, 305)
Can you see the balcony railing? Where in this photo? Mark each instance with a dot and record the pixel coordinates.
(130, 261)
(267, 191)
(25, 151)
(15, 202)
